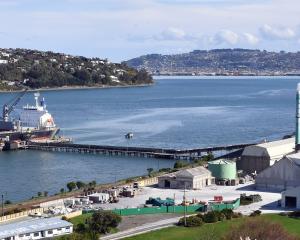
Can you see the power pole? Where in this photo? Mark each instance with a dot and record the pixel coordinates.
(174, 204)
(184, 205)
(2, 198)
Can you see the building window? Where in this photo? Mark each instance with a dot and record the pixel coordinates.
(27, 234)
(50, 232)
(67, 228)
(36, 234)
(21, 235)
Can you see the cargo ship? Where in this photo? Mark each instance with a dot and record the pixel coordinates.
(31, 122)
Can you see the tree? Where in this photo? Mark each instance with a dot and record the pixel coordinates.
(150, 170)
(71, 186)
(260, 229)
(103, 221)
(45, 194)
(39, 194)
(92, 183)
(80, 184)
(62, 190)
(80, 228)
(180, 164)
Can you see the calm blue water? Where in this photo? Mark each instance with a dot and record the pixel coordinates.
(177, 112)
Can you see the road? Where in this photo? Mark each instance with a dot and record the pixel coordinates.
(142, 229)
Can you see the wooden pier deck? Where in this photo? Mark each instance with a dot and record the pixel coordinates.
(177, 154)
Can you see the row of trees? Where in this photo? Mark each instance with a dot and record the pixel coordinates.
(80, 185)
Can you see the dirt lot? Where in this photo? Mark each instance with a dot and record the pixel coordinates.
(129, 222)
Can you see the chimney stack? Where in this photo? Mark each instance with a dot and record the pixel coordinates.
(298, 118)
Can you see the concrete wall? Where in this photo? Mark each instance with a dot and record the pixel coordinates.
(21, 214)
(148, 181)
(291, 193)
(73, 214)
(197, 182)
(250, 164)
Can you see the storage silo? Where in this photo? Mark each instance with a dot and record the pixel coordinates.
(224, 171)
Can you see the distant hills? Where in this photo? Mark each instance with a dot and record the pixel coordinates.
(220, 62)
(24, 68)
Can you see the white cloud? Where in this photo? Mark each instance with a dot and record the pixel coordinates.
(280, 33)
(171, 34)
(225, 36)
(250, 38)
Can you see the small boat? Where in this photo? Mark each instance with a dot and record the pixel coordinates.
(129, 135)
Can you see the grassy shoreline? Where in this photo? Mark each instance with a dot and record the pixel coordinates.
(78, 88)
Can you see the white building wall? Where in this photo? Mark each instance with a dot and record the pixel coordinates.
(294, 192)
(43, 234)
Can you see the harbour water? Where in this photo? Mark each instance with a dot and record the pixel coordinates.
(177, 112)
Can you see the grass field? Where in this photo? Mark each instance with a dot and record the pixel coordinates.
(213, 231)
(80, 219)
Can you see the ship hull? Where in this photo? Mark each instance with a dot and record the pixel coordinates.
(28, 135)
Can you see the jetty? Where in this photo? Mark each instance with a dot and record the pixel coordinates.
(147, 152)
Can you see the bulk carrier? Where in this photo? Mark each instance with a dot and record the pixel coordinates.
(32, 122)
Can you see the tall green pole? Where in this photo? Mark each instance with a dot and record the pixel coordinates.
(297, 138)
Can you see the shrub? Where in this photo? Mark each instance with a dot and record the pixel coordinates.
(192, 221)
(80, 228)
(237, 215)
(221, 217)
(255, 213)
(259, 229)
(295, 214)
(180, 164)
(211, 217)
(228, 213)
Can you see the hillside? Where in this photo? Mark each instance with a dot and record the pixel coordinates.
(220, 62)
(23, 68)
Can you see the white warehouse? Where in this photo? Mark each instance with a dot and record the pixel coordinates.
(291, 198)
(257, 158)
(35, 229)
(283, 175)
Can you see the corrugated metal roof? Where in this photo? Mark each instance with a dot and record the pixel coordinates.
(295, 158)
(221, 161)
(193, 172)
(30, 226)
(275, 149)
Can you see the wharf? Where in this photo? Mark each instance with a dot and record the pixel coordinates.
(184, 154)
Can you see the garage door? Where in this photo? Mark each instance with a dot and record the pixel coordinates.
(290, 202)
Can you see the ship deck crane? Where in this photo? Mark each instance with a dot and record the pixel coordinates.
(9, 106)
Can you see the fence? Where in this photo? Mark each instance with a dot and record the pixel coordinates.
(21, 214)
(162, 209)
(221, 206)
(175, 209)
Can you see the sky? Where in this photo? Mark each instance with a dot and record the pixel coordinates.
(123, 29)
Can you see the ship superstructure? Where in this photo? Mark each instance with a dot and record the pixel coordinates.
(33, 121)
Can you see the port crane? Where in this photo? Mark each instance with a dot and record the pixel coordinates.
(9, 106)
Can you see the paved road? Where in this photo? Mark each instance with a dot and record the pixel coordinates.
(142, 229)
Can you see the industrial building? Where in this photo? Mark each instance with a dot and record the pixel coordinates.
(257, 158)
(283, 175)
(35, 229)
(193, 178)
(291, 198)
(224, 171)
(99, 197)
